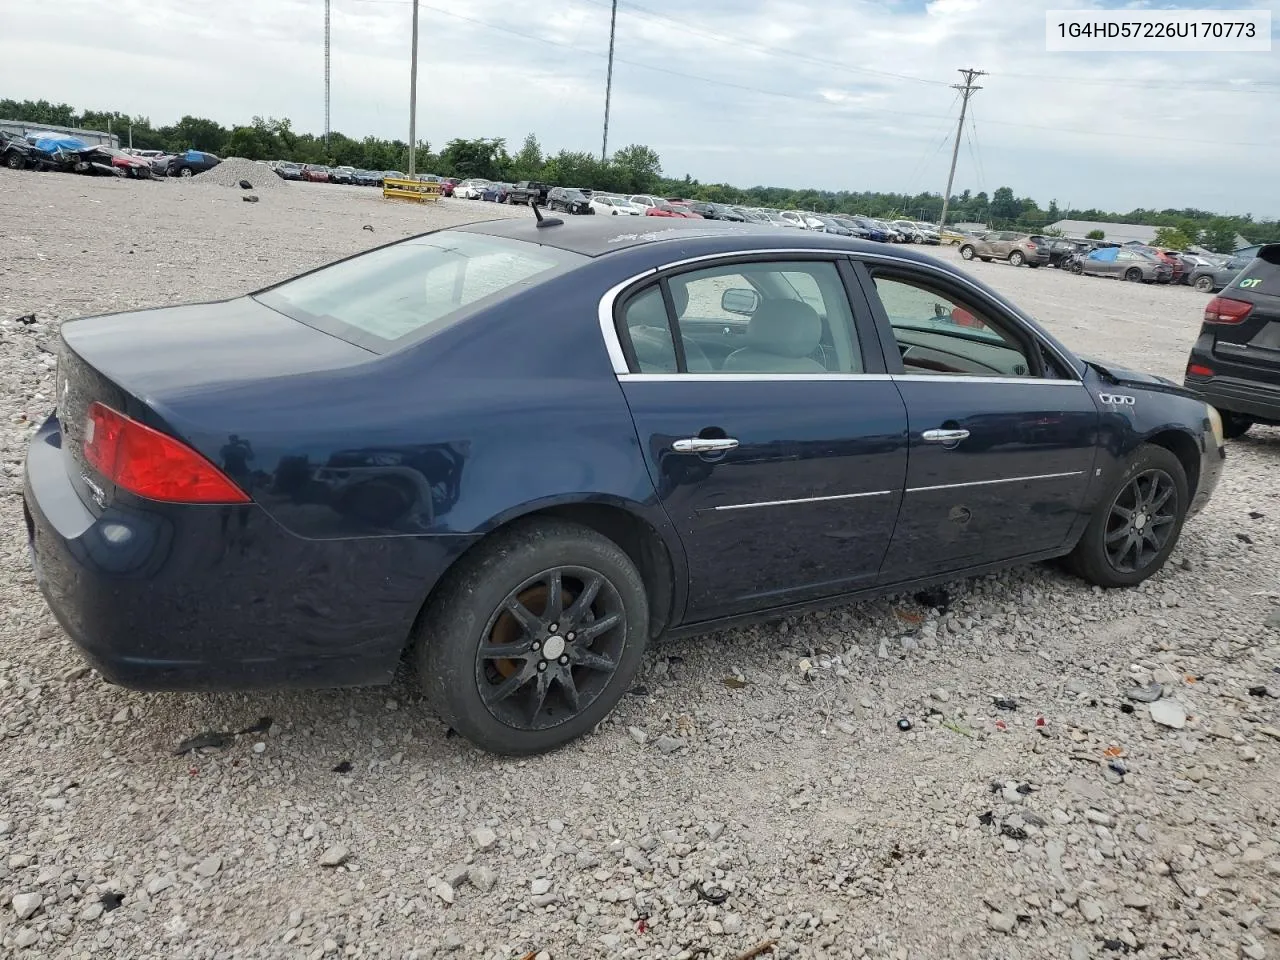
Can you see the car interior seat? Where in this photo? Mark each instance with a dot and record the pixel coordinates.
(781, 336)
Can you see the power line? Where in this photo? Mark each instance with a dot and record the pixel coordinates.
(966, 91)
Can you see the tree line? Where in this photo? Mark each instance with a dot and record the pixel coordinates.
(633, 169)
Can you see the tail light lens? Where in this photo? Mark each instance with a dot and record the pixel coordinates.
(1199, 370)
(150, 464)
(1226, 310)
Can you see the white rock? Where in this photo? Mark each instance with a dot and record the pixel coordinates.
(208, 866)
(482, 878)
(731, 923)
(1002, 922)
(26, 937)
(1169, 713)
(483, 838)
(444, 892)
(335, 856)
(638, 735)
(714, 829)
(540, 886)
(1090, 910)
(26, 904)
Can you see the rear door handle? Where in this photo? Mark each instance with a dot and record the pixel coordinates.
(704, 445)
(944, 436)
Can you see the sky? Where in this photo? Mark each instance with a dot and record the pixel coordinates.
(831, 94)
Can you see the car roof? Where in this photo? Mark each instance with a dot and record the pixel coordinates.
(594, 237)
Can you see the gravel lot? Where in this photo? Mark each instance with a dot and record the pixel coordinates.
(755, 787)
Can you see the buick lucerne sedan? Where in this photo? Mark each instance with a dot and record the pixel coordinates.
(518, 453)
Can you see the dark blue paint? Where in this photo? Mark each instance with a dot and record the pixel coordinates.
(371, 474)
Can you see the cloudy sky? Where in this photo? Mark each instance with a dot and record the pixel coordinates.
(838, 94)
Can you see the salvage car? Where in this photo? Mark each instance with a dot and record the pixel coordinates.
(617, 435)
(315, 173)
(1017, 248)
(1235, 362)
(569, 200)
(1211, 276)
(190, 162)
(529, 190)
(15, 151)
(1123, 263)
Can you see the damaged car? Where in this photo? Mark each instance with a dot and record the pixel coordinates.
(519, 451)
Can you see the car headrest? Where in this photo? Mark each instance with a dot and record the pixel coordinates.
(786, 328)
(679, 296)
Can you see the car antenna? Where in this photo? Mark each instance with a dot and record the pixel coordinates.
(543, 221)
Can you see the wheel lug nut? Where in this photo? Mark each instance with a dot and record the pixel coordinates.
(569, 635)
(542, 665)
(564, 661)
(537, 645)
(554, 627)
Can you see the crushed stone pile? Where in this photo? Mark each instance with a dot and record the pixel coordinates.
(229, 173)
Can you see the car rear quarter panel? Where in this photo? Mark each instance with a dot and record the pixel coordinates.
(512, 410)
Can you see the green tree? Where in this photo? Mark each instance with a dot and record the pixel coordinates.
(528, 162)
(1004, 206)
(1095, 235)
(1172, 238)
(1219, 236)
(640, 166)
(195, 133)
(485, 157)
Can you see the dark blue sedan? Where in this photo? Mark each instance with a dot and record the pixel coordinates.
(521, 452)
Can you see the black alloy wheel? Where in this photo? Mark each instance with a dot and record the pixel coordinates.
(1137, 521)
(1143, 517)
(533, 637)
(551, 648)
(1133, 275)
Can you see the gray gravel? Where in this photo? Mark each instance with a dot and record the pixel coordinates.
(705, 816)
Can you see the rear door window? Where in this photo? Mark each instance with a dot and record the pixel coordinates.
(394, 295)
(1260, 276)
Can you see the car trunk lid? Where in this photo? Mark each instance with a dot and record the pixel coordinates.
(148, 364)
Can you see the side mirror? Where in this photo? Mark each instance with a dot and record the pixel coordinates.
(740, 300)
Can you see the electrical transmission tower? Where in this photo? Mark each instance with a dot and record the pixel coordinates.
(326, 73)
(967, 90)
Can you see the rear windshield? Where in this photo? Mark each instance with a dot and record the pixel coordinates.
(391, 296)
(1263, 274)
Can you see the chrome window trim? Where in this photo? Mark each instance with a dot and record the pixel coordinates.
(619, 360)
(611, 342)
(787, 503)
(987, 483)
(745, 377)
(965, 378)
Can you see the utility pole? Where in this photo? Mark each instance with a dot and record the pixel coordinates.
(608, 84)
(326, 73)
(413, 96)
(967, 90)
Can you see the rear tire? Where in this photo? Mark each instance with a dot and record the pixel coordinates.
(1204, 284)
(966, 252)
(474, 609)
(1016, 259)
(1234, 425)
(1147, 533)
(1133, 275)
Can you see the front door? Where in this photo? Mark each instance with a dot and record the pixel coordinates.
(777, 445)
(1002, 437)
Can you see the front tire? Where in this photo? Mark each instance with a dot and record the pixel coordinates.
(14, 160)
(534, 637)
(966, 252)
(1136, 525)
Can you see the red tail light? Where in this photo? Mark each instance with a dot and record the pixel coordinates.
(1199, 370)
(1226, 310)
(151, 464)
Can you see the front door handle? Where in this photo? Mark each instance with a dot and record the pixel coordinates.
(944, 436)
(704, 445)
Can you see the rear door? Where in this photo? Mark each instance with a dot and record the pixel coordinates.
(1002, 433)
(775, 440)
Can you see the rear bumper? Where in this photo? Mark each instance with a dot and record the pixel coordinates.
(1235, 395)
(179, 597)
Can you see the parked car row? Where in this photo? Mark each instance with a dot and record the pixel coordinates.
(1135, 262)
(67, 154)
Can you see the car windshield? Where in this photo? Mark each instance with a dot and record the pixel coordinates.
(413, 289)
